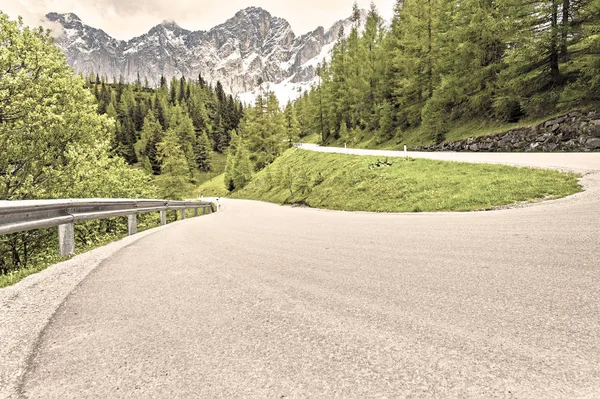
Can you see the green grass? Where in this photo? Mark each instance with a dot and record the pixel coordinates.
(219, 161)
(355, 183)
(212, 188)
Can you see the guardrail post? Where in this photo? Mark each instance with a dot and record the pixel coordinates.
(183, 214)
(163, 218)
(195, 212)
(204, 210)
(66, 239)
(132, 224)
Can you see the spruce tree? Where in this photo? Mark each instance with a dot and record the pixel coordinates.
(152, 134)
(291, 124)
(202, 152)
(173, 182)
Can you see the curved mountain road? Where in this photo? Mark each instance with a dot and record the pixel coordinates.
(264, 301)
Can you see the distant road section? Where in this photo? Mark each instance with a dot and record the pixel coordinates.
(265, 301)
(588, 161)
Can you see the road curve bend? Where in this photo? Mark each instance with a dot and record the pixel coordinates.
(265, 301)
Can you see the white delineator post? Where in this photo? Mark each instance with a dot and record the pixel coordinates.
(66, 239)
(405, 149)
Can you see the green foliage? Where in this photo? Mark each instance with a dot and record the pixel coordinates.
(239, 166)
(151, 135)
(292, 125)
(352, 183)
(213, 188)
(446, 62)
(194, 109)
(386, 121)
(202, 152)
(54, 144)
(264, 131)
(174, 180)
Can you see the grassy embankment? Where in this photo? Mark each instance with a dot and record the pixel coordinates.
(212, 188)
(356, 183)
(459, 130)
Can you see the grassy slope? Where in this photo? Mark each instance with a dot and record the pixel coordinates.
(219, 161)
(353, 183)
(460, 131)
(212, 188)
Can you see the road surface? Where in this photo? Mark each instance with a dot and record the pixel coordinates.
(264, 301)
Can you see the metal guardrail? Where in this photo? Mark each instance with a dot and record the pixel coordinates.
(16, 216)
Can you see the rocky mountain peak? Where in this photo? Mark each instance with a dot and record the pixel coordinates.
(63, 18)
(167, 27)
(252, 13)
(170, 24)
(251, 52)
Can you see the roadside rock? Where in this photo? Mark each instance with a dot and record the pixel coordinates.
(573, 132)
(593, 144)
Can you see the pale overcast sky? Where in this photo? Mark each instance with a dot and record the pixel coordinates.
(125, 19)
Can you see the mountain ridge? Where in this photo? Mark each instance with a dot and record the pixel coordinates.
(251, 52)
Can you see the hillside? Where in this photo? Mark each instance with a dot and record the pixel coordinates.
(376, 184)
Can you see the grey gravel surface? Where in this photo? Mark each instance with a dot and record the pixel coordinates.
(263, 301)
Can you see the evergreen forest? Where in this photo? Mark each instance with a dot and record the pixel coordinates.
(443, 63)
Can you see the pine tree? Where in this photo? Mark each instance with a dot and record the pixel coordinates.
(291, 124)
(413, 57)
(386, 121)
(202, 152)
(173, 91)
(152, 134)
(183, 127)
(126, 136)
(173, 182)
(238, 172)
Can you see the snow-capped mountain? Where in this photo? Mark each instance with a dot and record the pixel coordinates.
(249, 53)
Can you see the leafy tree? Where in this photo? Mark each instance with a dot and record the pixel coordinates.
(54, 144)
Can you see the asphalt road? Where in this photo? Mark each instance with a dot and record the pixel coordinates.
(263, 301)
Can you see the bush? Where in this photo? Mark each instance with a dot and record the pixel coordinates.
(507, 109)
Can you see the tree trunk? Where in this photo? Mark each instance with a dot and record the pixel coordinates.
(566, 9)
(554, 70)
(429, 51)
